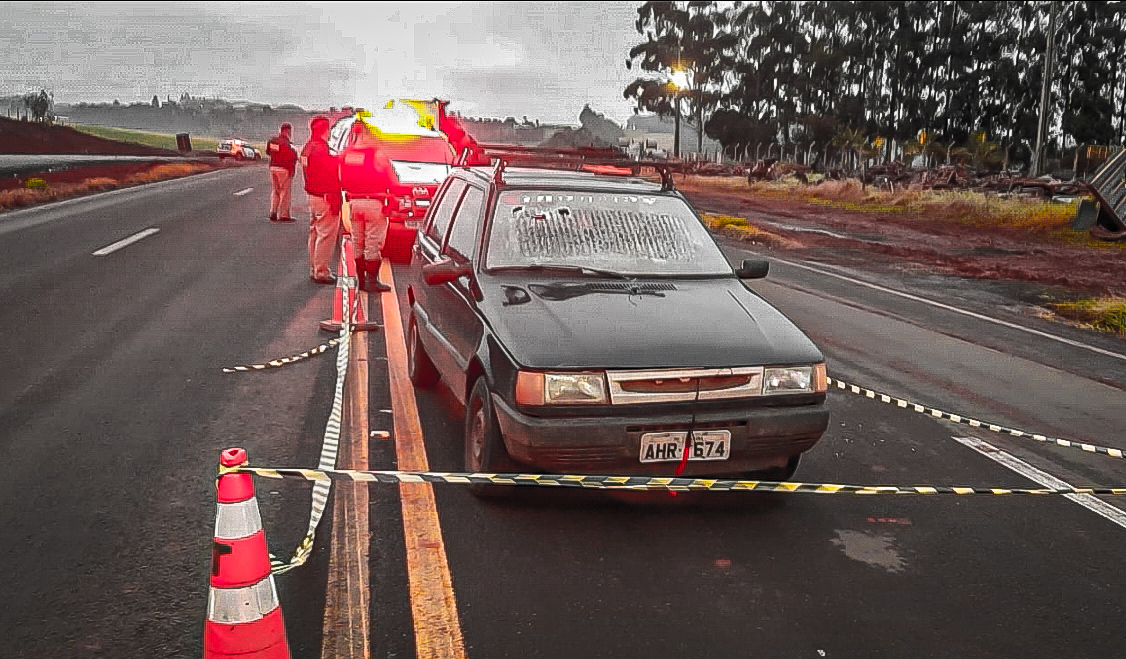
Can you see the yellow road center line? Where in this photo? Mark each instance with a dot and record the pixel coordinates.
(437, 627)
(347, 625)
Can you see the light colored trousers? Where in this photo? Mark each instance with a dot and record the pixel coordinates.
(282, 197)
(324, 236)
(369, 228)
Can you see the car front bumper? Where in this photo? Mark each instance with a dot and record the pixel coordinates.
(761, 438)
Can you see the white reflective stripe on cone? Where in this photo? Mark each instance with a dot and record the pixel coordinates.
(233, 606)
(235, 521)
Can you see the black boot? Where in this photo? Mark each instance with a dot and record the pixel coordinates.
(361, 274)
(374, 285)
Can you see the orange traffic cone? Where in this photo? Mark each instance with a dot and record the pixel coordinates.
(244, 616)
(359, 321)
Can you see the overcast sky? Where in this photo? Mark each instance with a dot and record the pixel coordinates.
(542, 60)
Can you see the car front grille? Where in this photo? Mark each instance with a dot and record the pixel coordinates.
(684, 385)
(584, 457)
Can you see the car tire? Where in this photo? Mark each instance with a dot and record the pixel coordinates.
(484, 446)
(422, 371)
(238, 156)
(777, 474)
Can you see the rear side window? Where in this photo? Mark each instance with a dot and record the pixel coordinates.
(444, 211)
(465, 226)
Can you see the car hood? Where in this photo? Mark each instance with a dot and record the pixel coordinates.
(698, 324)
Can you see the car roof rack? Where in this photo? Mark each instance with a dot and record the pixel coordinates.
(603, 161)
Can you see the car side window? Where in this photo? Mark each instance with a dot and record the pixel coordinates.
(464, 229)
(337, 138)
(444, 211)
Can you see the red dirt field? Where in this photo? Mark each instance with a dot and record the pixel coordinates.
(25, 137)
(906, 242)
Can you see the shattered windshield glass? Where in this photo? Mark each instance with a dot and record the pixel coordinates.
(630, 234)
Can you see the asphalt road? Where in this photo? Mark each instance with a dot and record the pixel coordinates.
(113, 411)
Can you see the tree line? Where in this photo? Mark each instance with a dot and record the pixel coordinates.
(886, 79)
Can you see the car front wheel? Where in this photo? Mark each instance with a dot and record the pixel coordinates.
(484, 446)
(421, 369)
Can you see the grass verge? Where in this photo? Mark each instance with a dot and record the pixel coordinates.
(27, 197)
(146, 138)
(1050, 222)
(1106, 314)
(737, 227)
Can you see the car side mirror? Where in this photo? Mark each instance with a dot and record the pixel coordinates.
(445, 271)
(753, 269)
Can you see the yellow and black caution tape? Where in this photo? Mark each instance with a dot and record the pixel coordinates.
(284, 361)
(958, 418)
(653, 483)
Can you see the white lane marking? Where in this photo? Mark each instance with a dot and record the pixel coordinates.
(110, 249)
(948, 307)
(242, 192)
(1088, 501)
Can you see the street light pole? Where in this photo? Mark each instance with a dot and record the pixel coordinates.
(676, 130)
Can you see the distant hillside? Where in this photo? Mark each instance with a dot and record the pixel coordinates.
(197, 117)
(25, 137)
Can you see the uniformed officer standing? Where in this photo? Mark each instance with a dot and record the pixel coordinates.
(369, 227)
(322, 185)
(283, 166)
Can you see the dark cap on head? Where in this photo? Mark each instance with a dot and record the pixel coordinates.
(286, 126)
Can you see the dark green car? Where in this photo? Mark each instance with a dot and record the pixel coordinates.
(590, 324)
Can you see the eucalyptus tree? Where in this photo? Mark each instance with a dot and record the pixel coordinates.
(692, 39)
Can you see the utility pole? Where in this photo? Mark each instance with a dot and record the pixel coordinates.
(1045, 96)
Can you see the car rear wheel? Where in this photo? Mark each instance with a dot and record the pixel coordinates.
(484, 446)
(421, 369)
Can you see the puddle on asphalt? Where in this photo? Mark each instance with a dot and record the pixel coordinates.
(875, 549)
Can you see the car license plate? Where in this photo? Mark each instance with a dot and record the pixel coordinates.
(669, 446)
(413, 224)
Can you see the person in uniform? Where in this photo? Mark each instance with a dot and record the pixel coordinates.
(322, 185)
(369, 227)
(283, 167)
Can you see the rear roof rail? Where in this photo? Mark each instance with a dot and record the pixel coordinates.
(601, 161)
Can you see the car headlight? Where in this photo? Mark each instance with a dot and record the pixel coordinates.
(794, 380)
(560, 388)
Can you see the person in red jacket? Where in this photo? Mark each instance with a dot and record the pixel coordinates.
(370, 224)
(283, 166)
(322, 185)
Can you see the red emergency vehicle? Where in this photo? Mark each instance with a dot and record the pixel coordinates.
(397, 157)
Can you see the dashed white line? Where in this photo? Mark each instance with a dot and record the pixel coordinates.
(243, 191)
(948, 307)
(1088, 501)
(110, 249)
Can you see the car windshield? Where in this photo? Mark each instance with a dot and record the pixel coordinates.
(625, 233)
(412, 148)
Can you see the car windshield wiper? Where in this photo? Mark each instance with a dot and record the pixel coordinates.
(561, 291)
(563, 267)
